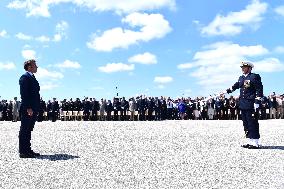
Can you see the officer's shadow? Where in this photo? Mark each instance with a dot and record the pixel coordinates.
(57, 157)
(273, 147)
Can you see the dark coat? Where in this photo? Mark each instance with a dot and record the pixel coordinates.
(29, 89)
(250, 88)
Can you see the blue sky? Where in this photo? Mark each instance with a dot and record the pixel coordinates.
(163, 47)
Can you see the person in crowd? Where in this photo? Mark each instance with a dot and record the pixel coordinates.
(103, 104)
(132, 108)
(232, 108)
(42, 110)
(272, 106)
(86, 109)
(182, 109)
(211, 108)
(280, 102)
(54, 110)
(109, 109)
(16, 109)
(124, 107)
(169, 108)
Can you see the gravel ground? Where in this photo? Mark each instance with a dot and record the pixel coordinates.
(165, 154)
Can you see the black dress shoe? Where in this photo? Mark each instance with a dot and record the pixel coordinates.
(34, 153)
(27, 156)
(253, 147)
(246, 146)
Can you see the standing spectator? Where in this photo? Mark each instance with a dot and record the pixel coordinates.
(132, 108)
(16, 109)
(280, 107)
(116, 108)
(86, 109)
(109, 109)
(163, 109)
(196, 109)
(142, 106)
(124, 104)
(211, 108)
(54, 110)
(170, 108)
(42, 109)
(232, 107)
(219, 107)
(151, 108)
(264, 108)
(158, 109)
(181, 109)
(272, 106)
(102, 109)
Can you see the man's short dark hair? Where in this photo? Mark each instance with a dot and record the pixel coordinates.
(28, 63)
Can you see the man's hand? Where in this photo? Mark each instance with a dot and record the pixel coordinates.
(30, 112)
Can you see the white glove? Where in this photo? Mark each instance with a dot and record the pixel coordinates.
(256, 106)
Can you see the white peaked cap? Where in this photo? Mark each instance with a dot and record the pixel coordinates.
(247, 64)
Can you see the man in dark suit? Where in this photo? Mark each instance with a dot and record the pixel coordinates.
(251, 92)
(29, 89)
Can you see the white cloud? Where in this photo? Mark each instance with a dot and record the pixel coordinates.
(279, 49)
(3, 33)
(43, 39)
(116, 67)
(48, 86)
(153, 26)
(145, 58)
(69, 64)
(22, 36)
(280, 10)
(234, 22)
(7, 66)
(163, 79)
(29, 54)
(217, 66)
(41, 7)
(44, 73)
(186, 66)
(61, 31)
(269, 65)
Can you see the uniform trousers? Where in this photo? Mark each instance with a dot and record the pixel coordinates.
(251, 125)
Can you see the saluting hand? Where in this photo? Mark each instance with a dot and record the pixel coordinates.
(30, 112)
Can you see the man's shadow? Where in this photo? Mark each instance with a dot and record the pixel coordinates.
(273, 147)
(57, 157)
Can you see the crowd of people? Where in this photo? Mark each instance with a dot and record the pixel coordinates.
(144, 108)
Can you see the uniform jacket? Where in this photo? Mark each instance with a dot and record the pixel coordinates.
(29, 89)
(250, 88)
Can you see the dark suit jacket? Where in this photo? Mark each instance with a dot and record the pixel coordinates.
(250, 88)
(29, 89)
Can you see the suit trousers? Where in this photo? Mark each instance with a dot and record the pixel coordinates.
(251, 125)
(27, 126)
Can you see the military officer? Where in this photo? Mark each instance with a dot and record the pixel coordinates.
(251, 92)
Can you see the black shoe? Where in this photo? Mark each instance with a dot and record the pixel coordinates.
(246, 146)
(27, 156)
(253, 147)
(34, 153)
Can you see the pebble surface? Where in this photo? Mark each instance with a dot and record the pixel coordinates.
(164, 154)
